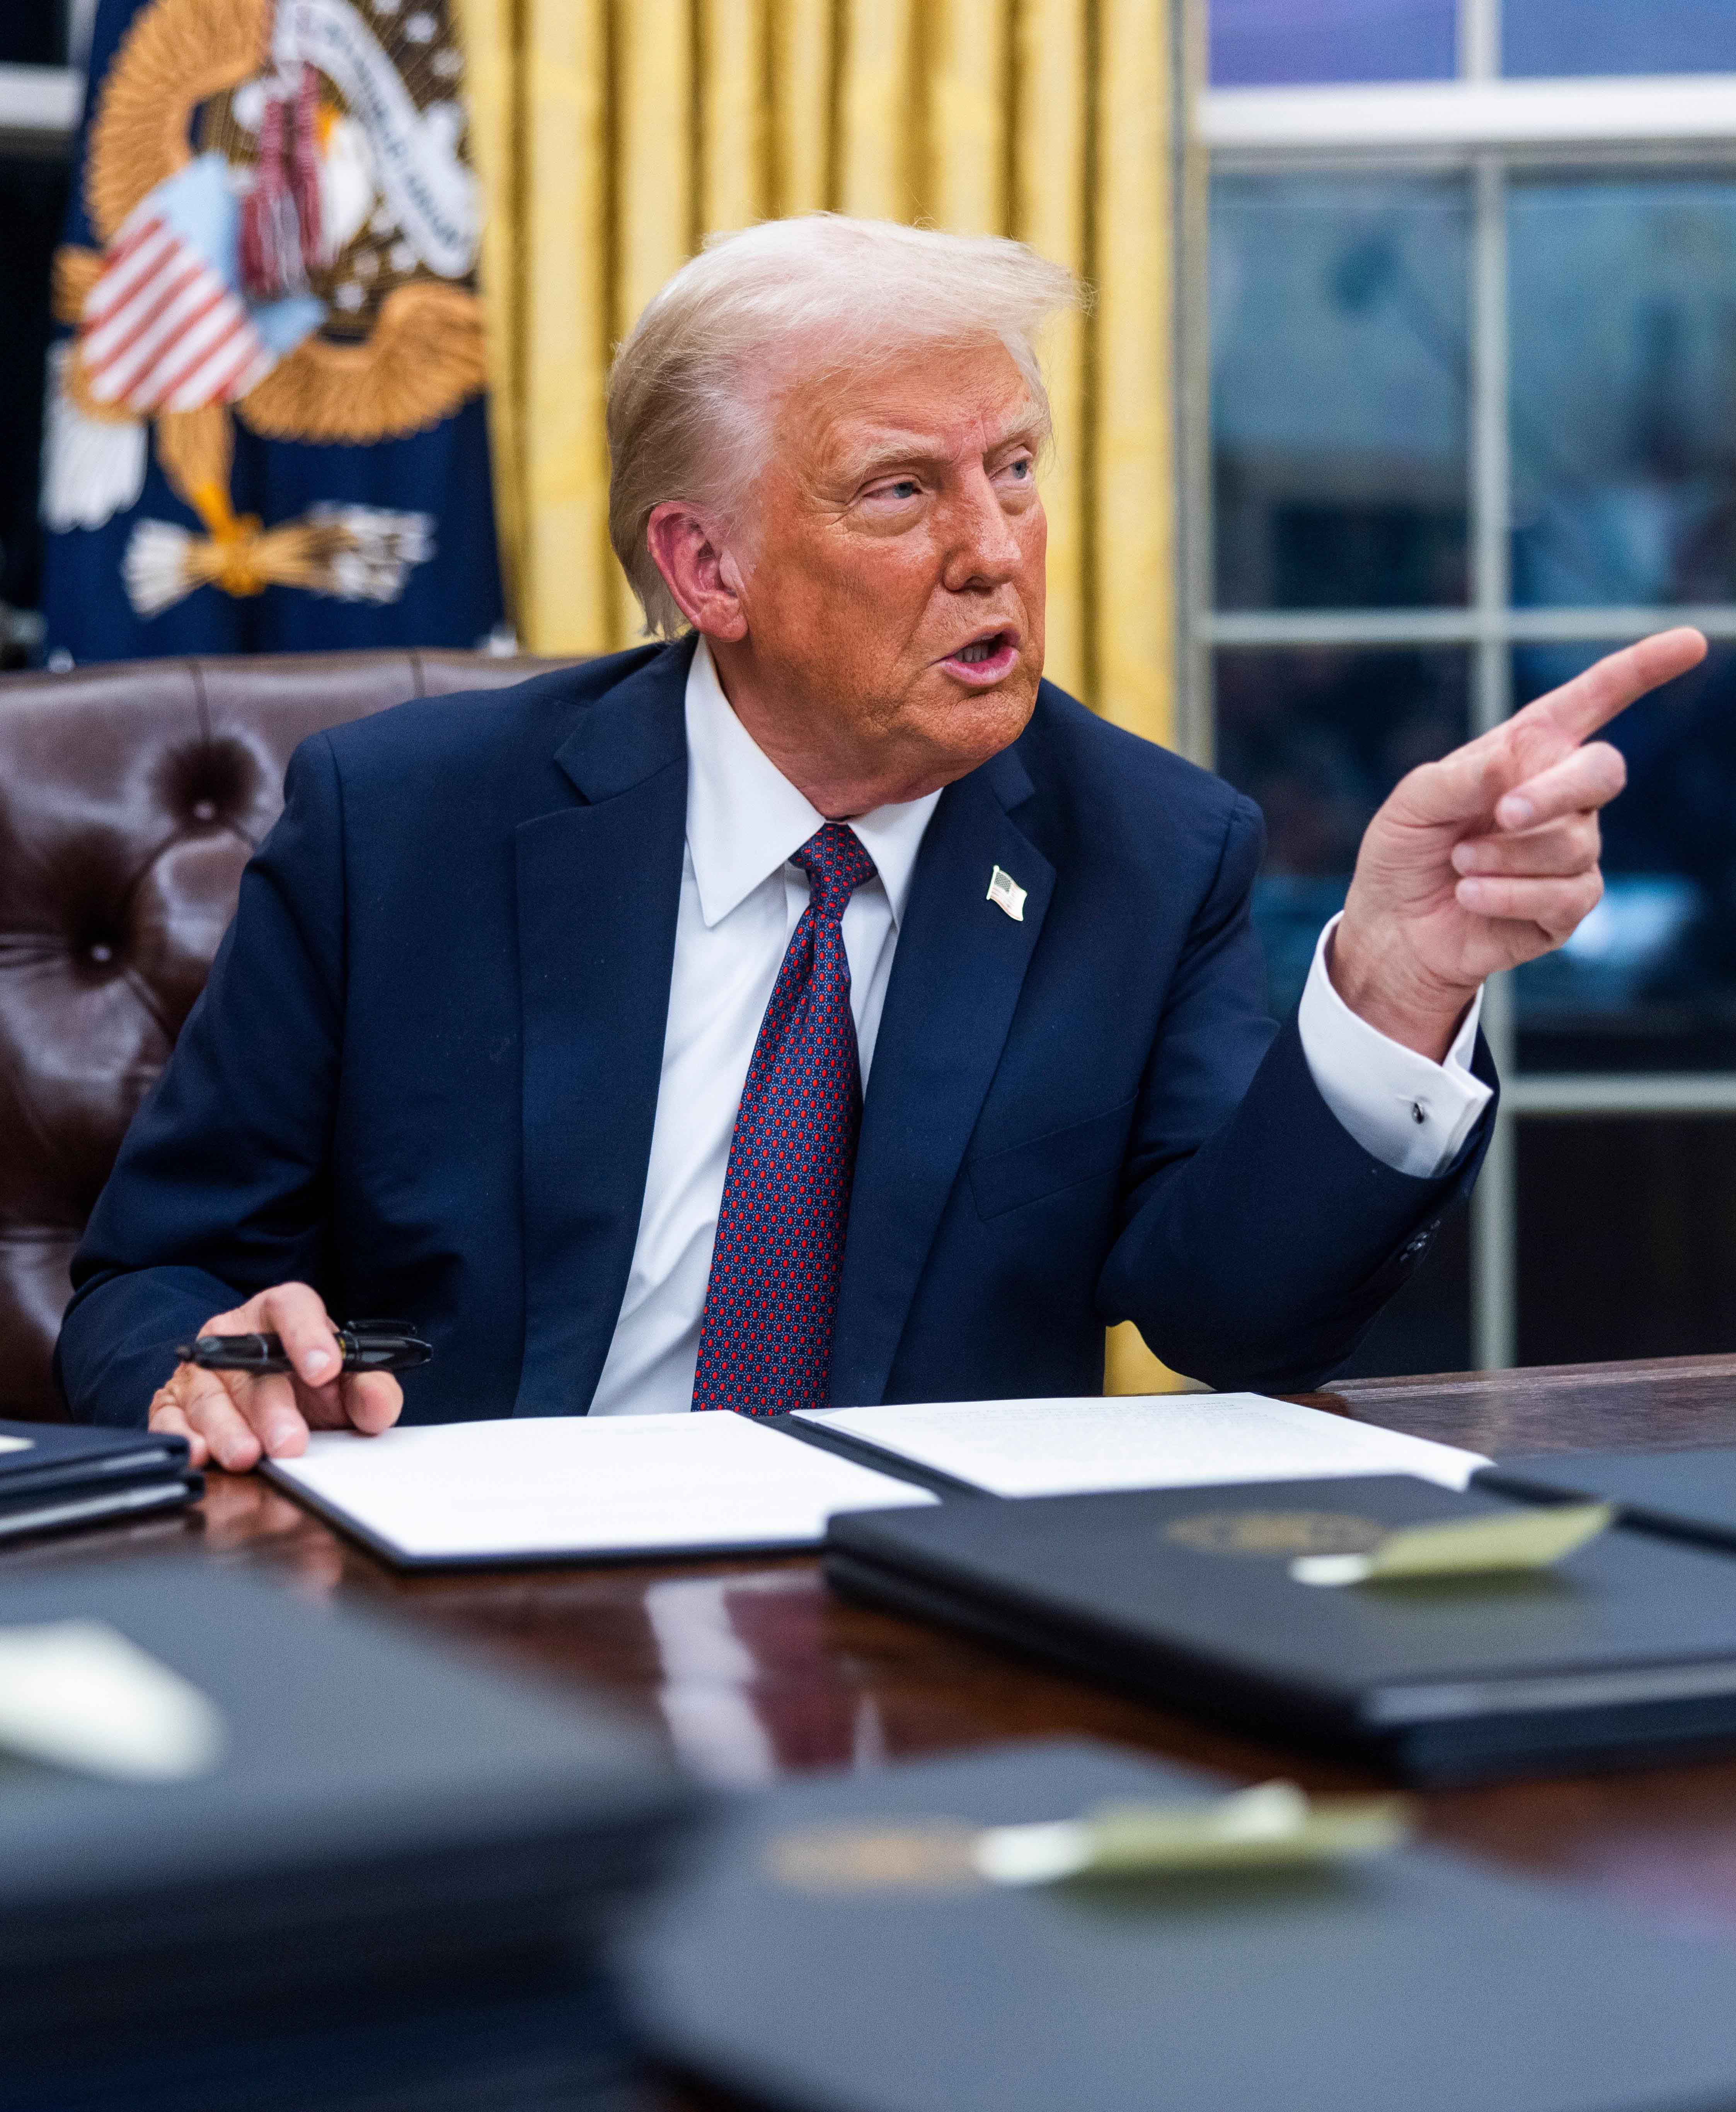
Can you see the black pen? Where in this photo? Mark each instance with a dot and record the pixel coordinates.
(368, 1346)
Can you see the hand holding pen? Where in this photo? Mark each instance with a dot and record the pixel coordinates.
(367, 1345)
(231, 1416)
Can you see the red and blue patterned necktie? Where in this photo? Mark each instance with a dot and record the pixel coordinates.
(765, 1337)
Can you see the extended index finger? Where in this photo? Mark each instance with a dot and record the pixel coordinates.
(1591, 700)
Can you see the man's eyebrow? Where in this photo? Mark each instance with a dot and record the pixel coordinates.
(891, 450)
(894, 452)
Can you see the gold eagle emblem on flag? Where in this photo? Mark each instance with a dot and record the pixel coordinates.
(290, 226)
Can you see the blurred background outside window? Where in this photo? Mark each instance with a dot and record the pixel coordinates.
(1472, 354)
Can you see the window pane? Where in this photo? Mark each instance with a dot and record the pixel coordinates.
(1618, 36)
(1648, 981)
(1627, 1238)
(1257, 41)
(1318, 737)
(1338, 391)
(1624, 390)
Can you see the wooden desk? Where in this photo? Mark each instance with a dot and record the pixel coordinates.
(752, 1670)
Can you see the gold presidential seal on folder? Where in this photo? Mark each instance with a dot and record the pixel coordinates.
(1337, 1548)
(1277, 1534)
(1275, 1826)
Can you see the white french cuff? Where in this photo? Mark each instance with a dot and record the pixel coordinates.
(1412, 1114)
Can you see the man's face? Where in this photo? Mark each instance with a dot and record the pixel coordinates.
(895, 600)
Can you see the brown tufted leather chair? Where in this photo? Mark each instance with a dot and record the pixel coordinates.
(131, 795)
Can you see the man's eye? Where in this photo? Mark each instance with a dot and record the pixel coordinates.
(906, 487)
(1021, 469)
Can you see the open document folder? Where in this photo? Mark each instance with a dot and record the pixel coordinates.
(1406, 1979)
(1173, 1441)
(564, 1488)
(569, 1488)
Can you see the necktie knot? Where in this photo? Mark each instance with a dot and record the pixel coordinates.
(836, 865)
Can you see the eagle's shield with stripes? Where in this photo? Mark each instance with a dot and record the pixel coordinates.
(165, 327)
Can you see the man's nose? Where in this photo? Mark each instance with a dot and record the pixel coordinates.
(983, 549)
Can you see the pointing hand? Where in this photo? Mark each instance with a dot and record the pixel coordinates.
(1489, 858)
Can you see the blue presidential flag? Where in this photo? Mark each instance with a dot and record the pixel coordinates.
(265, 428)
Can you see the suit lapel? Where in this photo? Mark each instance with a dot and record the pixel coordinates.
(956, 977)
(598, 889)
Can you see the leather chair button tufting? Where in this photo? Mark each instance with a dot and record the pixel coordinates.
(129, 794)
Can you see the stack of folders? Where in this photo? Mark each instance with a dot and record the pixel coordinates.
(53, 1478)
(965, 1965)
(257, 1856)
(1260, 1600)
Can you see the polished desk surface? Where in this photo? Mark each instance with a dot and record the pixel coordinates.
(752, 1671)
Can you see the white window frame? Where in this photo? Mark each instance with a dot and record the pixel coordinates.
(38, 108)
(1485, 126)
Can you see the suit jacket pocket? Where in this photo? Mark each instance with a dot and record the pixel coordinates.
(1021, 1174)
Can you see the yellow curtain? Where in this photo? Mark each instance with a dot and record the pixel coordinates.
(613, 135)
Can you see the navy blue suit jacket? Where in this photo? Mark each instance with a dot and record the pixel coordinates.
(423, 1073)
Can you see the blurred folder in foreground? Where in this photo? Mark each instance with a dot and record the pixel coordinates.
(1354, 1985)
(254, 1853)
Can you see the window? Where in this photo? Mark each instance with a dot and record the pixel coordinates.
(1617, 37)
(1255, 41)
(1471, 354)
(1326, 496)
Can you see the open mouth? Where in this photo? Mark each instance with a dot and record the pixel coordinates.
(984, 660)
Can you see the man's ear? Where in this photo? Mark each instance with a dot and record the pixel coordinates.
(698, 569)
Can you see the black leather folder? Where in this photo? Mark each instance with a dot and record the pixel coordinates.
(451, 2047)
(392, 1830)
(54, 1477)
(1624, 1651)
(1412, 1980)
(1689, 1494)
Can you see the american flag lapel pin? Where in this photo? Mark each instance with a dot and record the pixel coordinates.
(1006, 894)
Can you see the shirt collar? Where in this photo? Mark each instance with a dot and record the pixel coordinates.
(745, 818)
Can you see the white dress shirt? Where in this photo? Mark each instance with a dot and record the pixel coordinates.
(1412, 1114)
(741, 900)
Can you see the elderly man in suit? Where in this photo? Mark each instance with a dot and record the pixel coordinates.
(818, 1006)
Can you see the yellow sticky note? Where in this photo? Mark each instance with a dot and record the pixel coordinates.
(1274, 1826)
(1520, 1540)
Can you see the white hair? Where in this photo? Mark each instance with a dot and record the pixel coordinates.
(693, 388)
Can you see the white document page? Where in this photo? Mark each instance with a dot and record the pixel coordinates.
(541, 1488)
(1170, 1441)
